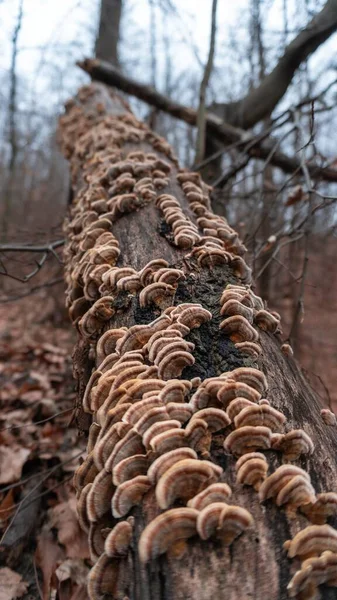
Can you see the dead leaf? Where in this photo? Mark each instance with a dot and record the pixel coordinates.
(6, 507)
(11, 584)
(11, 462)
(48, 554)
(64, 518)
(74, 569)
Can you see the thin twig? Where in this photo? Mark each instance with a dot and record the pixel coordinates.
(37, 422)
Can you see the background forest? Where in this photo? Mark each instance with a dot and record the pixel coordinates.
(284, 210)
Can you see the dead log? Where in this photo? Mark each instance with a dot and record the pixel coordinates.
(168, 330)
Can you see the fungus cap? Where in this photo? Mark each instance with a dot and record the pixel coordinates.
(166, 529)
(248, 439)
(184, 480)
(128, 494)
(215, 492)
(118, 540)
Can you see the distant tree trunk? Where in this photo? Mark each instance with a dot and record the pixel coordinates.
(108, 36)
(120, 172)
(12, 125)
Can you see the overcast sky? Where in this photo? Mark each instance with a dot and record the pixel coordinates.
(56, 33)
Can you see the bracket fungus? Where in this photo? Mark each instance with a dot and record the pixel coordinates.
(103, 577)
(328, 417)
(118, 540)
(312, 541)
(294, 444)
(313, 572)
(165, 531)
(184, 480)
(239, 329)
(156, 293)
(223, 521)
(128, 494)
(215, 418)
(165, 461)
(248, 439)
(257, 414)
(252, 469)
(321, 508)
(99, 496)
(272, 486)
(130, 467)
(215, 492)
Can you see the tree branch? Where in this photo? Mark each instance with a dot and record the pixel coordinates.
(226, 133)
(261, 101)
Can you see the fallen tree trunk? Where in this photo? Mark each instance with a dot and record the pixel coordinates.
(148, 267)
(255, 146)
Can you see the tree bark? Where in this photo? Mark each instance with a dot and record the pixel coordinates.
(98, 133)
(224, 132)
(106, 47)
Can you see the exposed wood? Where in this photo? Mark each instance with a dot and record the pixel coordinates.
(98, 133)
(224, 132)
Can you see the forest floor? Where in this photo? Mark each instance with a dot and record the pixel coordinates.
(43, 552)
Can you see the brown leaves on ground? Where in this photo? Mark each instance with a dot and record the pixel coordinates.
(12, 460)
(11, 585)
(39, 451)
(62, 551)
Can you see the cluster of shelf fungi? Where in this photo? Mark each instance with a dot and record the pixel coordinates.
(152, 428)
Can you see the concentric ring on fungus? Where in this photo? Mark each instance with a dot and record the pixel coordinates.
(184, 480)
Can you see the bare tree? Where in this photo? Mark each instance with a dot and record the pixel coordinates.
(12, 125)
(108, 35)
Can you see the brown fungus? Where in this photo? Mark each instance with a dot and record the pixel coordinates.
(321, 508)
(312, 541)
(156, 293)
(103, 578)
(313, 572)
(183, 480)
(118, 540)
(260, 415)
(248, 439)
(328, 417)
(130, 467)
(167, 460)
(165, 531)
(279, 479)
(297, 492)
(174, 363)
(236, 406)
(128, 494)
(216, 492)
(294, 444)
(232, 389)
(266, 321)
(252, 469)
(215, 418)
(158, 428)
(99, 496)
(239, 329)
(223, 521)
